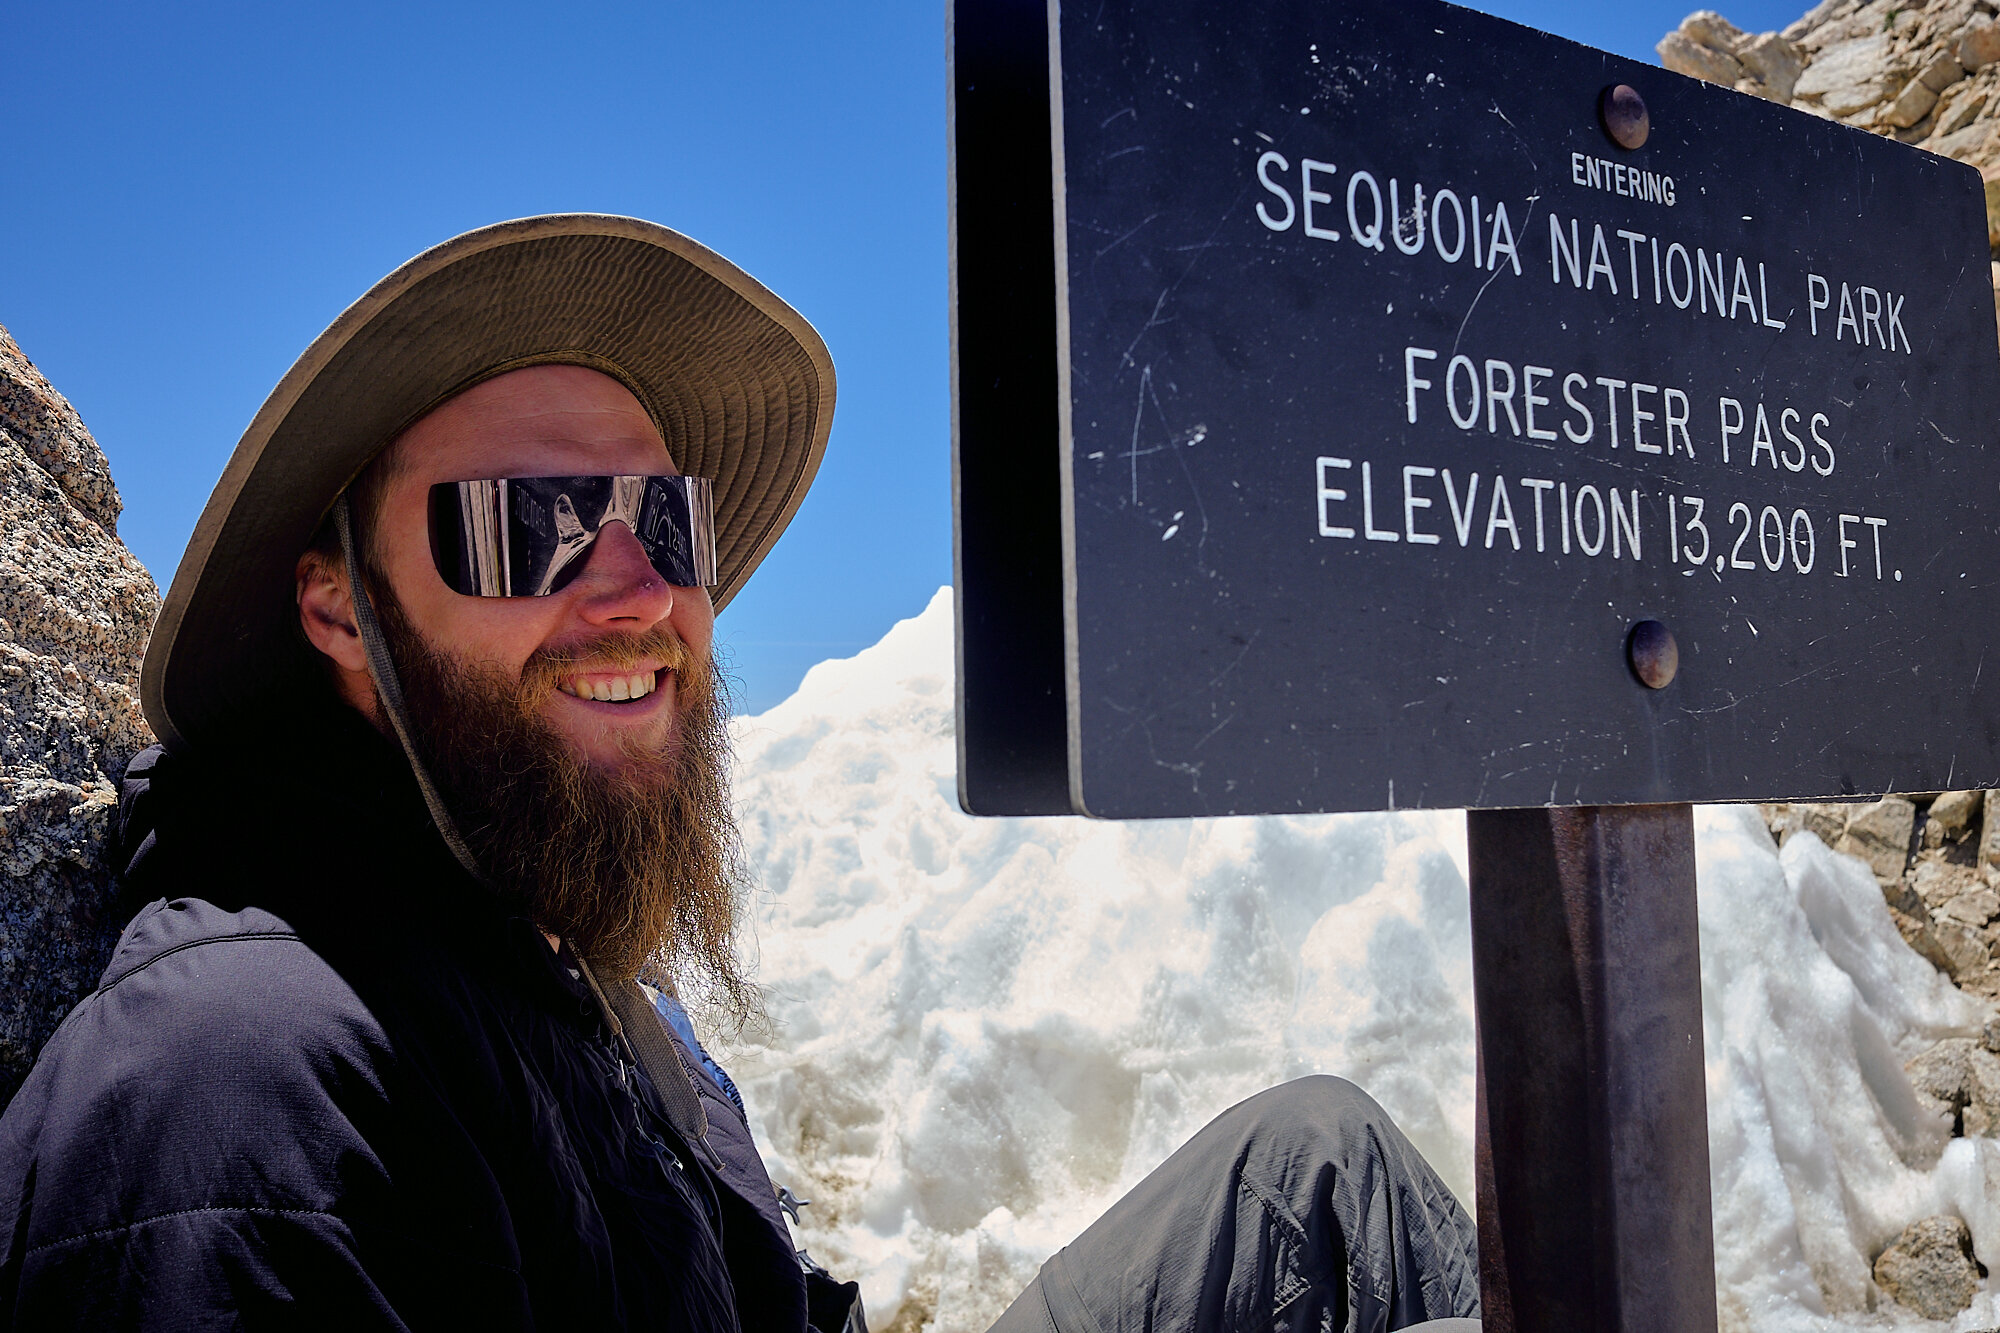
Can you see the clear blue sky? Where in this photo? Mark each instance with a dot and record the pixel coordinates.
(193, 192)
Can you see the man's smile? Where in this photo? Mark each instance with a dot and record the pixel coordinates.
(609, 687)
(631, 692)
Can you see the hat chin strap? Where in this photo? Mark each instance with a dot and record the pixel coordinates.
(389, 690)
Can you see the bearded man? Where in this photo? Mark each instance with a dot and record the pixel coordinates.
(439, 834)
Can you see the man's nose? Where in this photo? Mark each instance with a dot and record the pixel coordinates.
(619, 586)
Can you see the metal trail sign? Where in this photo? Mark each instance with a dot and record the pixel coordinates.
(1376, 405)
(1389, 392)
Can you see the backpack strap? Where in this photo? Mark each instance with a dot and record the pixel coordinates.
(634, 1022)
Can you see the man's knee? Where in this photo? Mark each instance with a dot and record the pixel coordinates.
(1317, 1106)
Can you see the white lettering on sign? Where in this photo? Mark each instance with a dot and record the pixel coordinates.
(1382, 212)
(1632, 414)
(1490, 392)
(1868, 316)
(1412, 502)
(1329, 494)
(1390, 214)
(1713, 283)
(1597, 173)
(1671, 469)
(1607, 522)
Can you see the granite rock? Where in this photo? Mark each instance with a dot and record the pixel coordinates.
(1773, 62)
(1878, 832)
(1958, 107)
(1967, 951)
(1979, 45)
(1708, 46)
(75, 610)
(1712, 30)
(1911, 105)
(1683, 55)
(1943, 71)
(1880, 835)
(1963, 1078)
(1925, 73)
(1943, 899)
(1930, 1268)
(1939, 882)
(1954, 811)
(1850, 74)
(1989, 839)
(1974, 908)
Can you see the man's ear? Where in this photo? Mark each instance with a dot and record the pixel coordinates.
(326, 614)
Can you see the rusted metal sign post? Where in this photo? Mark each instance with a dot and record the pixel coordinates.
(1382, 405)
(1593, 1125)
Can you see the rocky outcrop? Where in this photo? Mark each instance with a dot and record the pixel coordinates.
(1927, 74)
(1937, 859)
(75, 609)
(1923, 73)
(1930, 1268)
(1963, 1077)
(1708, 46)
(1878, 832)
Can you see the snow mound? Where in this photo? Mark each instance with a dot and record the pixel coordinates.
(1820, 1151)
(985, 1030)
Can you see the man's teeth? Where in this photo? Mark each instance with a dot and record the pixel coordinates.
(616, 689)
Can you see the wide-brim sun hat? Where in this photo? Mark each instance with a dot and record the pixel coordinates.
(739, 383)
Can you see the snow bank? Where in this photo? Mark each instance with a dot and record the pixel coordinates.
(1820, 1151)
(986, 1030)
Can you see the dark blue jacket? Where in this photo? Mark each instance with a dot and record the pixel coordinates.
(328, 1081)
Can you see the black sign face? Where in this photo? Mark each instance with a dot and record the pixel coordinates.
(1392, 393)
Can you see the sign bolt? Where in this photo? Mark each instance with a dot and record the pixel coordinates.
(1624, 115)
(1654, 655)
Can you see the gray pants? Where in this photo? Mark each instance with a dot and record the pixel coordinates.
(1303, 1209)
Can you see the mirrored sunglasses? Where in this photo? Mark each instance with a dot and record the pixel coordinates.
(527, 536)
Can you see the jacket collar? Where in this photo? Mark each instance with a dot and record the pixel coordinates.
(326, 834)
